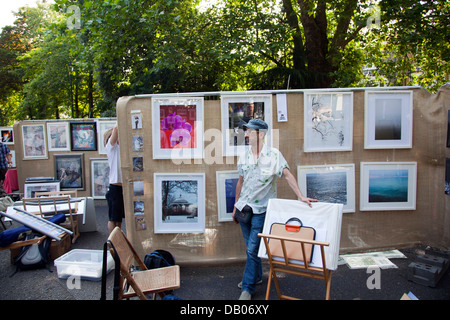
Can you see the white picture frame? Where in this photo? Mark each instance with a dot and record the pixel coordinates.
(31, 188)
(103, 126)
(328, 121)
(177, 127)
(99, 178)
(7, 135)
(226, 193)
(388, 186)
(388, 119)
(334, 183)
(179, 202)
(237, 110)
(34, 142)
(58, 136)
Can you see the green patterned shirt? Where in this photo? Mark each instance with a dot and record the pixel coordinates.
(260, 178)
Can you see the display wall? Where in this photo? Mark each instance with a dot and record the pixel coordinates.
(177, 189)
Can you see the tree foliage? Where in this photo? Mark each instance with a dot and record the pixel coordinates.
(125, 47)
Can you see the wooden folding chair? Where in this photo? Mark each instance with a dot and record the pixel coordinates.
(284, 261)
(72, 219)
(145, 281)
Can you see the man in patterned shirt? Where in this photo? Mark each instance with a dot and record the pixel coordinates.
(5, 161)
(258, 170)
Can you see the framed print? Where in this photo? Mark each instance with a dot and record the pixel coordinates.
(7, 135)
(388, 186)
(177, 125)
(328, 121)
(69, 170)
(99, 178)
(83, 136)
(329, 183)
(31, 188)
(238, 110)
(103, 126)
(34, 142)
(179, 202)
(226, 193)
(13, 158)
(388, 118)
(58, 136)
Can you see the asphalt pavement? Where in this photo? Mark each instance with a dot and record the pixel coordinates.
(219, 283)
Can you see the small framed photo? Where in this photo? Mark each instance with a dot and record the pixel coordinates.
(177, 125)
(30, 189)
(329, 183)
(388, 119)
(69, 170)
(328, 121)
(226, 193)
(83, 136)
(103, 126)
(238, 110)
(58, 136)
(179, 202)
(388, 186)
(99, 178)
(34, 142)
(7, 135)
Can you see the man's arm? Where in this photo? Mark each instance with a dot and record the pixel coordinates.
(239, 184)
(114, 136)
(294, 186)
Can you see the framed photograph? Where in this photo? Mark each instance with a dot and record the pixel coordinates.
(329, 183)
(238, 110)
(7, 135)
(13, 158)
(83, 136)
(388, 186)
(103, 126)
(226, 193)
(58, 136)
(179, 202)
(177, 125)
(388, 119)
(328, 121)
(34, 142)
(69, 170)
(99, 178)
(31, 188)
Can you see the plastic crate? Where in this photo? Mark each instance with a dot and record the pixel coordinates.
(83, 263)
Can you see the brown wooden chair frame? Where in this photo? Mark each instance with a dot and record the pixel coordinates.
(286, 265)
(144, 281)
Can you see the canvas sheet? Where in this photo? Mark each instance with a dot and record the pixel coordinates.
(326, 218)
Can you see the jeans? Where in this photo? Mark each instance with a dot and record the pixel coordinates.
(253, 267)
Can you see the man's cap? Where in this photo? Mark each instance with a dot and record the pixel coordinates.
(256, 124)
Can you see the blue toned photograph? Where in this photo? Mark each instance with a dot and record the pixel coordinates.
(327, 187)
(230, 193)
(388, 185)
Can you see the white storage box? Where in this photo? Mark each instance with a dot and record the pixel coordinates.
(87, 264)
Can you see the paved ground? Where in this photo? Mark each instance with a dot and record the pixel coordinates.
(220, 283)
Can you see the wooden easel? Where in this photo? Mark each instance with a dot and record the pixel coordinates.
(287, 265)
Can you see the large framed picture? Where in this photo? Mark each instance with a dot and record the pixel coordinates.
(388, 186)
(177, 125)
(58, 136)
(30, 189)
(238, 110)
(328, 121)
(34, 142)
(333, 183)
(69, 170)
(388, 119)
(103, 126)
(99, 178)
(179, 202)
(226, 193)
(83, 136)
(7, 135)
